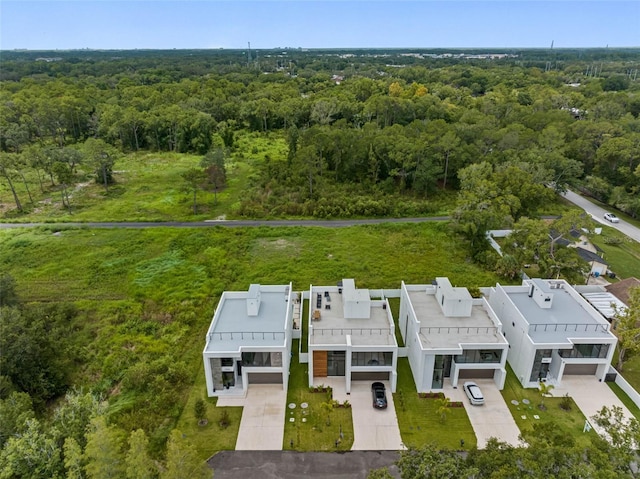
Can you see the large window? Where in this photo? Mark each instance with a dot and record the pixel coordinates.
(261, 359)
(585, 351)
(479, 356)
(372, 358)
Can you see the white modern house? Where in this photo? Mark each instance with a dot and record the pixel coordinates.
(351, 335)
(249, 340)
(450, 336)
(552, 331)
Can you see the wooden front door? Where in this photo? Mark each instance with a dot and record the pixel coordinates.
(319, 364)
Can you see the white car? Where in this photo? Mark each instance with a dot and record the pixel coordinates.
(473, 393)
(611, 217)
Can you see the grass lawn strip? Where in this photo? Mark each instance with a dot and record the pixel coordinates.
(319, 426)
(420, 422)
(571, 421)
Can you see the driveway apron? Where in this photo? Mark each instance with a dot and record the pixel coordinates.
(590, 395)
(493, 419)
(262, 423)
(373, 429)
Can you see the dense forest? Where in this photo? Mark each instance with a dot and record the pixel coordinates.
(492, 134)
(381, 122)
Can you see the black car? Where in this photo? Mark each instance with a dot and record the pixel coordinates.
(379, 396)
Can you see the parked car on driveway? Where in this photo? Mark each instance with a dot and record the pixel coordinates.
(379, 396)
(611, 218)
(474, 393)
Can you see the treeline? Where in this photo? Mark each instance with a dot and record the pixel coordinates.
(356, 121)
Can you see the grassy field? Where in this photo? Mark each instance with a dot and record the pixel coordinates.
(571, 422)
(146, 297)
(420, 422)
(317, 427)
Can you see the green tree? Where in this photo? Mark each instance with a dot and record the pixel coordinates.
(626, 323)
(103, 453)
(74, 414)
(15, 412)
(7, 172)
(73, 459)
(545, 391)
(182, 460)
(36, 349)
(102, 157)
(200, 410)
(443, 405)
(194, 179)
(430, 463)
(215, 170)
(33, 454)
(8, 294)
(137, 461)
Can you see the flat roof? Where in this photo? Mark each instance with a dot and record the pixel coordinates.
(232, 327)
(333, 327)
(603, 303)
(566, 318)
(440, 331)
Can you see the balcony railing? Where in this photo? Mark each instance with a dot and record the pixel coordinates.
(567, 328)
(458, 330)
(248, 336)
(351, 331)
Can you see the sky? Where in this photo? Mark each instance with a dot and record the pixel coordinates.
(123, 24)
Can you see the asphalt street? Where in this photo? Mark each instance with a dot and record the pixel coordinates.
(294, 465)
(598, 214)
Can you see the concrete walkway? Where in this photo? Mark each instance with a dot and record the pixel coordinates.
(262, 423)
(590, 395)
(373, 429)
(493, 419)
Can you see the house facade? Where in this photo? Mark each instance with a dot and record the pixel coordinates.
(450, 336)
(552, 331)
(249, 340)
(350, 335)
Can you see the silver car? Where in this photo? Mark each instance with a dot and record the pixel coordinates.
(473, 392)
(611, 218)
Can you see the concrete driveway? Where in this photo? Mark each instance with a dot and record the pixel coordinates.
(373, 429)
(493, 419)
(590, 395)
(262, 423)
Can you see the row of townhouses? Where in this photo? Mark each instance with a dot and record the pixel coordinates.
(543, 328)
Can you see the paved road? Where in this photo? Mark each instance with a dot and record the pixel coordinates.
(294, 465)
(229, 223)
(597, 213)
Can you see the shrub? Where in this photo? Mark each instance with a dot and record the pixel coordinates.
(200, 410)
(565, 403)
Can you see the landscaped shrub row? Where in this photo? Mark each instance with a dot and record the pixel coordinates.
(431, 395)
(456, 404)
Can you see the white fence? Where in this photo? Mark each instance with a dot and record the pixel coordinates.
(626, 387)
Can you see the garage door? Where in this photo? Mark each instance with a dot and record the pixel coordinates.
(372, 376)
(582, 369)
(265, 378)
(476, 373)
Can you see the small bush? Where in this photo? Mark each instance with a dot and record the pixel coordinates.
(200, 410)
(224, 421)
(565, 403)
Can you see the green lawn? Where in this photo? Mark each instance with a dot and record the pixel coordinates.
(626, 400)
(571, 422)
(622, 253)
(419, 421)
(211, 437)
(317, 427)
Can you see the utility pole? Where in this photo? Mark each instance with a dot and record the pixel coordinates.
(249, 54)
